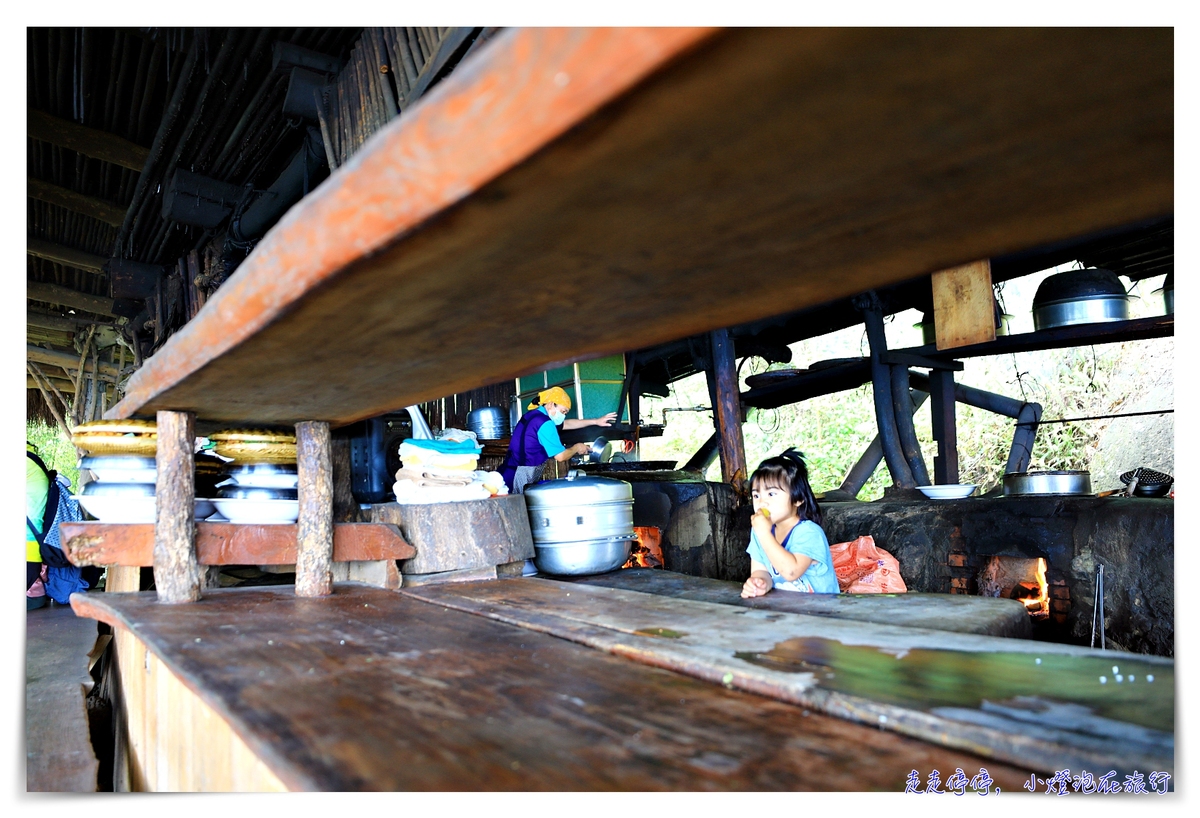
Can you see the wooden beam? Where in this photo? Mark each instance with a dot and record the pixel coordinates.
(177, 575)
(63, 323)
(106, 212)
(964, 307)
(64, 255)
(838, 160)
(132, 545)
(66, 297)
(91, 142)
(62, 384)
(727, 410)
(66, 360)
(314, 528)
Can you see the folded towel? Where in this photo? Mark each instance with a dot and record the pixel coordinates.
(433, 477)
(443, 446)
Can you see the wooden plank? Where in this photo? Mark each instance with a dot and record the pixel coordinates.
(464, 535)
(64, 255)
(749, 208)
(958, 612)
(1113, 332)
(727, 413)
(66, 360)
(314, 528)
(58, 750)
(106, 212)
(95, 543)
(370, 690)
(964, 310)
(66, 297)
(1016, 700)
(177, 574)
(91, 142)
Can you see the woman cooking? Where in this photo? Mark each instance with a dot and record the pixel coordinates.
(535, 438)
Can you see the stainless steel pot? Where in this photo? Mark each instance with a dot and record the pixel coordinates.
(1047, 482)
(488, 423)
(98, 489)
(1090, 296)
(239, 492)
(580, 524)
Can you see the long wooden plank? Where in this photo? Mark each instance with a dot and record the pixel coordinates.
(709, 179)
(58, 751)
(92, 142)
(65, 296)
(228, 543)
(106, 212)
(949, 612)
(370, 690)
(64, 255)
(1012, 699)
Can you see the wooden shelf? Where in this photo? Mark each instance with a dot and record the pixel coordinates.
(702, 178)
(1138, 329)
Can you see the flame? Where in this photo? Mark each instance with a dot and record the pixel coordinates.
(1035, 594)
(647, 548)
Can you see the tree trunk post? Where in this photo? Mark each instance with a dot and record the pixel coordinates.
(177, 573)
(727, 410)
(314, 528)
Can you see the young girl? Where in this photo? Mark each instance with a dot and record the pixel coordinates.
(788, 549)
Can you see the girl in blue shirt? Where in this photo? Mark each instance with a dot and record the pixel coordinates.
(788, 549)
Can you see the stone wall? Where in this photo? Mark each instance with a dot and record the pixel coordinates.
(942, 546)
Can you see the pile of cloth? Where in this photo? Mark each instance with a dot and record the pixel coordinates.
(444, 471)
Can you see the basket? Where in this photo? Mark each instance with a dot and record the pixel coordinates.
(102, 444)
(243, 452)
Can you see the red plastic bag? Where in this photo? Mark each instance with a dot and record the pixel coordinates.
(862, 568)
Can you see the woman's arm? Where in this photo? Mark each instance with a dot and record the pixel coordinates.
(571, 451)
(790, 566)
(580, 423)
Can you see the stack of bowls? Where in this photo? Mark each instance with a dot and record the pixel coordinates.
(261, 493)
(123, 488)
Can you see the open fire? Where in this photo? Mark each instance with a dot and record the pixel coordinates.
(1017, 578)
(647, 548)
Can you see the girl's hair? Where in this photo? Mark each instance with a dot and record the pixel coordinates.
(788, 471)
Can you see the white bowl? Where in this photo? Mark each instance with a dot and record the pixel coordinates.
(951, 492)
(110, 509)
(262, 481)
(204, 508)
(258, 511)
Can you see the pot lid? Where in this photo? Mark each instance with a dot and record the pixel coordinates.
(1076, 285)
(578, 489)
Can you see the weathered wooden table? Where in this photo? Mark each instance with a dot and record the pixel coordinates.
(375, 690)
(947, 612)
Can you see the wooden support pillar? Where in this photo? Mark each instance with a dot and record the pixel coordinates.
(177, 573)
(314, 528)
(945, 432)
(727, 409)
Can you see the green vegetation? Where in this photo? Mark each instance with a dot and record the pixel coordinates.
(55, 449)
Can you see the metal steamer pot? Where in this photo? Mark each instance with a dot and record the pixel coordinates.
(1047, 482)
(580, 524)
(1089, 296)
(488, 423)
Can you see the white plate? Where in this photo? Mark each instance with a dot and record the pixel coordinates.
(952, 492)
(125, 475)
(263, 481)
(117, 509)
(258, 511)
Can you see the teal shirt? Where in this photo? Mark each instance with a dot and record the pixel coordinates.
(548, 436)
(806, 538)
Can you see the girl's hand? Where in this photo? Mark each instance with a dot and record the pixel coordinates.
(755, 586)
(760, 522)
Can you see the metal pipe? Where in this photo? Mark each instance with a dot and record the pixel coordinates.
(1026, 414)
(862, 470)
(901, 395)
(704, 456)
(288, 189)
(881, 388)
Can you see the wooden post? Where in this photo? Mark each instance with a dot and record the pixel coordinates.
(945, 433)
(177, 573)
(727, 410)
(314, 528)
(964, 305)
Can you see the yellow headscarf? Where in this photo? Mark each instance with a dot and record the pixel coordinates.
(555, 394)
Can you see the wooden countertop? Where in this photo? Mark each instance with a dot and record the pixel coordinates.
(375, 690)
(709, 177)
